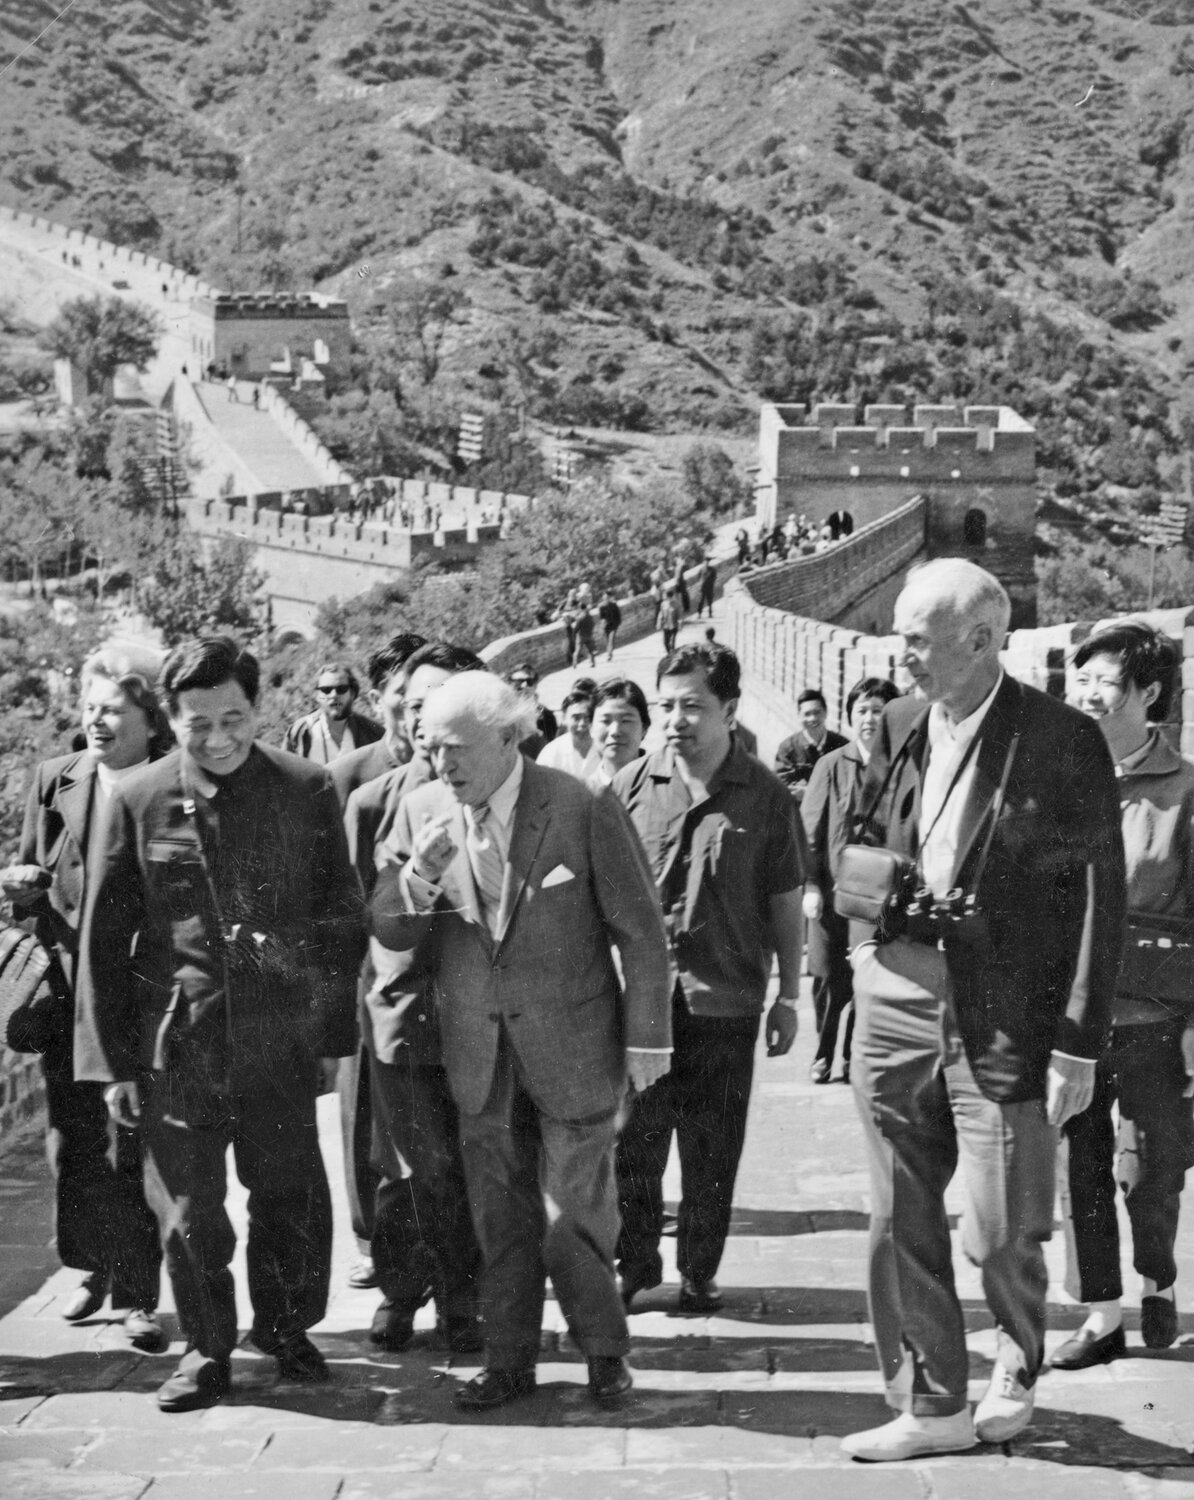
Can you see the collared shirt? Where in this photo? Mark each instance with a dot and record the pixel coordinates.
(941, 797)
(324, 749)
(562, 755)
(717, 862)
(502, 806)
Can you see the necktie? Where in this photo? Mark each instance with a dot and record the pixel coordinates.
(488, 865)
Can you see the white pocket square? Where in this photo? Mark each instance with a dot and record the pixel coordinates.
(558, 876)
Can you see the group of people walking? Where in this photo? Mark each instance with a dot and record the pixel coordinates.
(538, 973)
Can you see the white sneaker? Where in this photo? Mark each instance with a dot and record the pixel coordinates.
(910, 1436)
(1005, 1410)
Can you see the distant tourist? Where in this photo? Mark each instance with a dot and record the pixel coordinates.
(334, 728)
(573, 751)
(610, 615)
(524, 679)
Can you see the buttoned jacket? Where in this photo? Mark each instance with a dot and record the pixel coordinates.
(576, 886)
(1051, 889)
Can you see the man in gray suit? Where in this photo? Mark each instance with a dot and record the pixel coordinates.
(509, 885)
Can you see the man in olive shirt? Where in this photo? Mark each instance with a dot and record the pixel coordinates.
(728, 855)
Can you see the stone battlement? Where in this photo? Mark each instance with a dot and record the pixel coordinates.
(231, 305)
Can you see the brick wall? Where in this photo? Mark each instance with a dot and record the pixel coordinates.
(22, 1095)
(783, 653)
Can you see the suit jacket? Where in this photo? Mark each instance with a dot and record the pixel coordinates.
(576, 882)
(299, 736)
(1052, 887)
(827, 810)
(360, 766)
(796, 757)
(150, 878)
(57, 818)
(398, 1002)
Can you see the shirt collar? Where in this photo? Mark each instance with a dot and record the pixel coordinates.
(109, 776)
(942, 729)
(504, 800)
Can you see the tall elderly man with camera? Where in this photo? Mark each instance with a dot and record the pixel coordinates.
(991, 857)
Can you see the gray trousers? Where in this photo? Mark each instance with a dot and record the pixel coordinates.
(544, 1203)
(923, 1116)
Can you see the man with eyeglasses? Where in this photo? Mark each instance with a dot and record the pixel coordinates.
(334, 728)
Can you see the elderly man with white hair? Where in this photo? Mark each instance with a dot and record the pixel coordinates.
(984, 998)
(510, 885)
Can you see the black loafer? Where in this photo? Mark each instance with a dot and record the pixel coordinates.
(1084, 1350)
(462, 1335)
(393, 1326)
(1158, 1322)
(699, 1297)
(145, 1332)
(819, 1072)
(631, 1285)
(495, 1388)
(609, 1377)
(300, 1362)
(189, 1390)
(87, 1298)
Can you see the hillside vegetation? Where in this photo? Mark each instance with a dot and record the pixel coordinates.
(650, 214)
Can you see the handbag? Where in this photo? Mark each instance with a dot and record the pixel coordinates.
(1158, 960)
(34, 1012)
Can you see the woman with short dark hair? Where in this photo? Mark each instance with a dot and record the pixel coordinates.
(1123, 678)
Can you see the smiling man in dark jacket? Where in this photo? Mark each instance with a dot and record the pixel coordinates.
(227, 862)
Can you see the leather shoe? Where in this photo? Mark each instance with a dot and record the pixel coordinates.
(300, 1361)
(87, 1298)
(145, 1332)
(1158, 1322)
(362, 1274)
(188, 1390)
(631, 1285)
(495, 1388)
(393, 1326)
(609, 1377)
(699, 1296)
(819, 1072)
(1085, 1350)
(462, 1335)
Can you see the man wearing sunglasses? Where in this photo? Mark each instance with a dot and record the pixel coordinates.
(335, 727)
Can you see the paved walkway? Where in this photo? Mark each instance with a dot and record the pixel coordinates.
(748, 1405)
(260, 443)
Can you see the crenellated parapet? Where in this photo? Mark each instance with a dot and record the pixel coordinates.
(975, 465)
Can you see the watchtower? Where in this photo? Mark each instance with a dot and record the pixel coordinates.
(975, 466)
(259, 335)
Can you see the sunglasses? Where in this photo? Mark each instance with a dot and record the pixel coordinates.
(333, 687)
(521, 682)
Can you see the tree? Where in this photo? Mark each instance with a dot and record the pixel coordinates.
(43, 505)
(712, 483)
(99, 334)
(189, 594)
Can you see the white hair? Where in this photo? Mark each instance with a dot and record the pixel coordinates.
(485, 698)
(968, 592)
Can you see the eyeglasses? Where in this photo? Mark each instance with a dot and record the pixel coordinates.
(521, 682)
(332, 687)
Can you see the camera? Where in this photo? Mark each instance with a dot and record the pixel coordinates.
(953, 921)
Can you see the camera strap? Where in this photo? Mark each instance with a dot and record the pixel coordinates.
(993, 812)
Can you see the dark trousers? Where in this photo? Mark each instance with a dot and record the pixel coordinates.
(270, 1124)
(703, 1100)
(544, 1203)
(1143, 1071)
(423, 1235)
(923, 1116)
(356, 1133)
(103, 1224)
(833, 984)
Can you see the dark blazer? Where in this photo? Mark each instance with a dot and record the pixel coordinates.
(576, 883)
(827, 810)
(361, 766)
(299, 736)
(54, 835)
(1052, 888)
(796, 757)
(149, 878)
